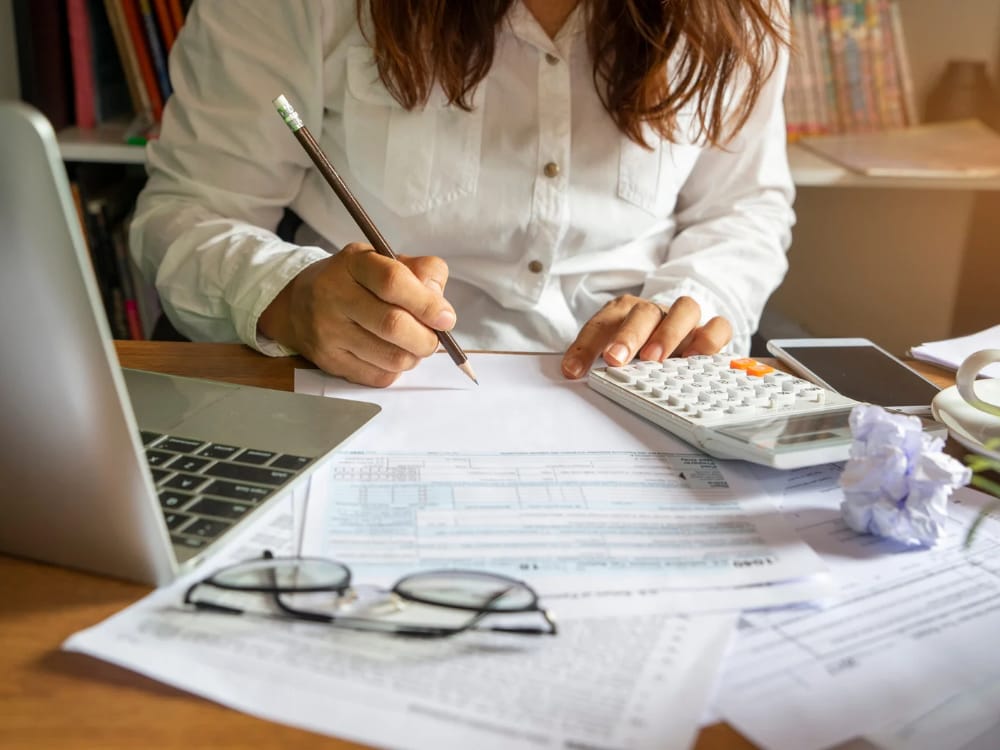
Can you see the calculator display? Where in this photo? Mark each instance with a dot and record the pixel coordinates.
(791, 432)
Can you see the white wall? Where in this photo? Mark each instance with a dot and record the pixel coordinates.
(9, 88)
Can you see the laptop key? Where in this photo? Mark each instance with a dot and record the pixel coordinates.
(189, 541)
(189, 482)
(290, 462)
(251, 456)
(176, 520)
(156, 458)
(206, 528)
(255, 474)
(180, 445)
(237, 491)
(210, 506)
(173, 499)
(189, 463)
(218, 450)
(148, 436)
(159, 474)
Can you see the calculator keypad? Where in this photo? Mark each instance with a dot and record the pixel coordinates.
(718, 389)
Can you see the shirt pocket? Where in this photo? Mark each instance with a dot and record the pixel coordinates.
(413, 160)
(652, 178)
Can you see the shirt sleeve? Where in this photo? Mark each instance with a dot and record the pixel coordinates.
(226, 166)
(734, 219)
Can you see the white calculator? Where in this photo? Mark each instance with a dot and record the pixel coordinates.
(735, 408)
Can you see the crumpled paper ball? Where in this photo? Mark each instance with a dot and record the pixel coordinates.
(897, 481)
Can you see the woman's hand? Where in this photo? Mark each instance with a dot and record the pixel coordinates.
(363, 316)
(628, 325)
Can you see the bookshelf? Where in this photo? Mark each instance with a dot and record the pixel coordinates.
(104, 144)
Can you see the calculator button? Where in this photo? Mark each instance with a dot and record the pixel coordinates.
(621, 375)
(783, 399)
(751, 366)
(709, 412)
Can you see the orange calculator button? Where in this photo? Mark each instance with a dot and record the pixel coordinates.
(751, 366)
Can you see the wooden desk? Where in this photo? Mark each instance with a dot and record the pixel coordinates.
(49, 698)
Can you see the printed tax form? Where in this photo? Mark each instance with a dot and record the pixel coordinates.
(616, 683)
(911, 635)
(539, 477)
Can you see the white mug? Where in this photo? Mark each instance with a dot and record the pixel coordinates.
(965, 379)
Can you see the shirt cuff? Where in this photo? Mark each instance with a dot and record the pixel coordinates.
(277, 279)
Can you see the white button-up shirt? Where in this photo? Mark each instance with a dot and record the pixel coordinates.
(541, 207)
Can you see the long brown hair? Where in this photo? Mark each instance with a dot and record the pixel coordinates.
(418, 43)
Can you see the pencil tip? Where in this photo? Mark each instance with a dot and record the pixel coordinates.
(467, 369)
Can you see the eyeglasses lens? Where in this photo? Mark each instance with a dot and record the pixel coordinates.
(285, 575)
(468, 590)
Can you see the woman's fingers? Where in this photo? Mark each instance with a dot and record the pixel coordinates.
(630, 326)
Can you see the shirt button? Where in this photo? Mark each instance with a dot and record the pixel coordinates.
(535, 266)
(551, 169)
(551, 59)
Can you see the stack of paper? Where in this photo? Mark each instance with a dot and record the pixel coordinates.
(963, 149)
(647, 552)
(950, 353)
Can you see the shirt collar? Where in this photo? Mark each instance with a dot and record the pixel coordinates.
(526, 28)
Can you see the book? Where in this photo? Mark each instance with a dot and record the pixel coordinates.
(177, 13)
(154, 45)
(81, 56)
(903, 65)
(45, 76)
(965, 149)
(105, 267)
(133, 23)
(119, 244)
(127, 53)
(111, 93)
(165, 21)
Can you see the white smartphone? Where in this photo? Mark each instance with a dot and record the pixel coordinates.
(859, 369)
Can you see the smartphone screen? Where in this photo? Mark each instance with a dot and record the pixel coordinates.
(865, 374)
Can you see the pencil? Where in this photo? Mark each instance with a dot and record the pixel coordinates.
(358, 213)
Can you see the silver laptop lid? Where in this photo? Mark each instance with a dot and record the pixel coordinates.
(68, 443)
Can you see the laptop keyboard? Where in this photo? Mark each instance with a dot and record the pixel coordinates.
(205, 487)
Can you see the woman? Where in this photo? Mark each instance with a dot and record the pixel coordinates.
(600, 177)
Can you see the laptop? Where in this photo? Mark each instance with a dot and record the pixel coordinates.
(126, 473)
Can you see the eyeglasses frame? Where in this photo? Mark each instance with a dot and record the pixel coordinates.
(355, 623)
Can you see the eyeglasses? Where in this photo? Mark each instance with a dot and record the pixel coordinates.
(431, 604)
